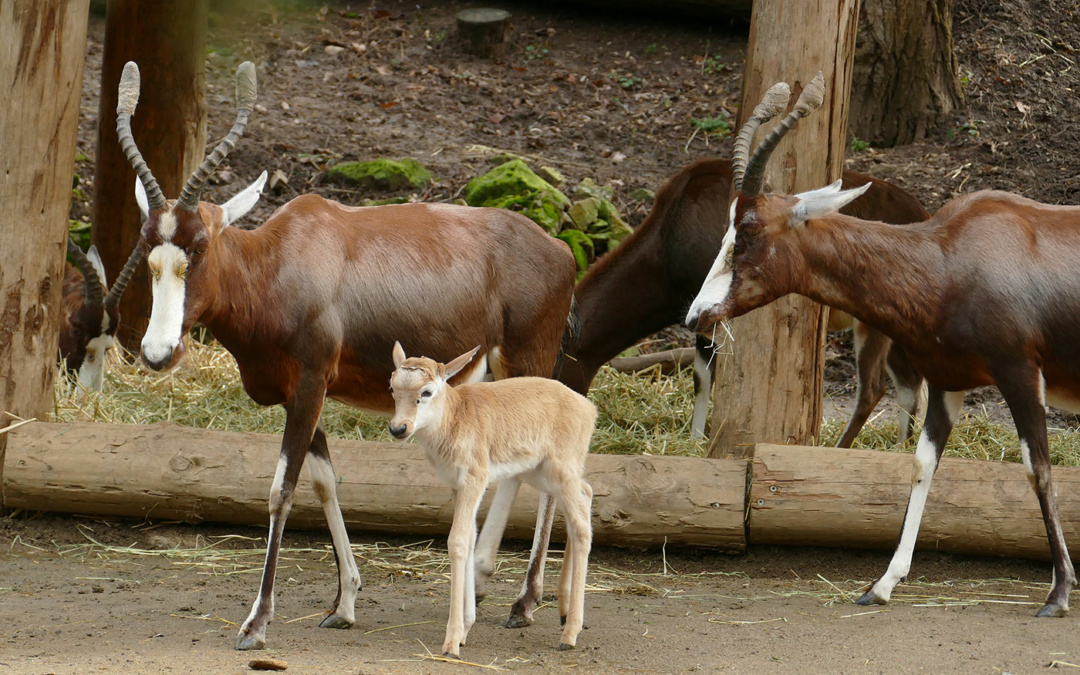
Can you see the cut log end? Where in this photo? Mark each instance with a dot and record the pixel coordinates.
(484, 32)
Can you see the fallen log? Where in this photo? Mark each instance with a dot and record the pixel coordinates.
(167, 472)
(669, 361)
(804, 496)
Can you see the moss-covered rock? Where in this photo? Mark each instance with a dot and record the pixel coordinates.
(381, 174)
(514, 186)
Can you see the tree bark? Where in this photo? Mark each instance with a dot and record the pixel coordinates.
(769, 381)
(905, 79)
(42, 50)
(168, 42)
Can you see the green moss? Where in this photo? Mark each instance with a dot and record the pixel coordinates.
(514, 186)
(581, 246)
(381, 174)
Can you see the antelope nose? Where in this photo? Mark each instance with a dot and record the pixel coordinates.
(398, 431)
(157, 363)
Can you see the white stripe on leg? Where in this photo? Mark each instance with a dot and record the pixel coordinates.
(323, 480)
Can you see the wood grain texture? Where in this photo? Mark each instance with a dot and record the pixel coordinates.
(168, 42)
(42, 50)
(167, 472)
(769, 381)
(856, 498)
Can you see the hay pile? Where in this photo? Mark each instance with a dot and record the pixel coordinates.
(644, 413)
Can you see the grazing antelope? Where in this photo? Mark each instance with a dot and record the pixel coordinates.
(310, 302)
(646, 284)
(90, 314)
(528, 429)
(984, 292)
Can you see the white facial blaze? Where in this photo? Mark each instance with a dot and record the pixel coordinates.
(718, 282)
(167, 264)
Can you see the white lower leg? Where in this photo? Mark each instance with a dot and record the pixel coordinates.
(702, 390)
(487, 546)
(324, 482)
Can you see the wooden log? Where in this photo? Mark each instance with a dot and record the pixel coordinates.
(484, 32)
(668, 361)
(856, 498)
(169, 472)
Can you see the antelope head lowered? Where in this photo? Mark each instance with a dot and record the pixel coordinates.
(176, 236)
(91, 313)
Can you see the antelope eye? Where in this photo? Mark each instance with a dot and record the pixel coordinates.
(425, 394)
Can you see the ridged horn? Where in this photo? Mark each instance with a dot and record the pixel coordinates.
(127, 99)
(245, 101)
(772, 104)
(122, 279)
(91, 281)
(809, 101)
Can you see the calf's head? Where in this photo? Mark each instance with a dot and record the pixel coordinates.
(417, 385)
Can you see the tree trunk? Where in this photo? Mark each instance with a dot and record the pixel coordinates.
(905, 82)
(168, 42)
(768, 383)
(42, 50)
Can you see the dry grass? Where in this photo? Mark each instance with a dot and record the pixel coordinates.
(644, 413)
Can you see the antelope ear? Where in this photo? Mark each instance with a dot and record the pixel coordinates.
(99, 267)
(399, 354)
(237, 207)
(455, 366)
(823, 201)
(140, 198)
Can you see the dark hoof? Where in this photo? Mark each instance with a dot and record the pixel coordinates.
(518, 621)
(249, 642)
(451, 656)
(1053, 611)
(335, 621)
(565, 647)
(868, 598)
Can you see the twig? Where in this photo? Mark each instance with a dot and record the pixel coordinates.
(18, 424)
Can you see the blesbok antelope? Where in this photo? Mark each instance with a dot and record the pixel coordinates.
(984, 292)
(310, 303)
(527, 429)
(90, 314)
(646, 284)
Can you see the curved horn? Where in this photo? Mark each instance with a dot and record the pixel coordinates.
(90, 276)
(127, 99)
(245, 101)
(808, 102)
(772, 104)
(122, 279)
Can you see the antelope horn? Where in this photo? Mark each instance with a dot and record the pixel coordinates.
(808, 102)
(245, 101)
(90, 276)
(127, 99)
(122, 279)
(772, 104)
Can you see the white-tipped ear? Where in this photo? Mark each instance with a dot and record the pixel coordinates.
(238, 206)
(455, 366)
(823, 201)
(140, 198)
(399, 354)
(95, 259)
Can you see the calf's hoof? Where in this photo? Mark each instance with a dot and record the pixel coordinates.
(565, 646)
(248, 641)
(518, 621)
(870, 598)
(1053, 610)
(335, 621)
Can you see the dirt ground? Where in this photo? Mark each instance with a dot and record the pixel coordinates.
(73, 607)
(611, 97)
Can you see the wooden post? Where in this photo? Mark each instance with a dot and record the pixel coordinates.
(484, 32)
(168, 41)
(42, 50)
(769, 381)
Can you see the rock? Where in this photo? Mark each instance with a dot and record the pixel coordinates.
(381, 174)
(643, 195)
(585, 212)
(588, 188)
(551, 175)
(581, 246)
(267, 664)
(514, 186)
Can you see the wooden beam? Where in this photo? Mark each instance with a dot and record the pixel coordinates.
(804, 496)
(769, 381)
(167, 472)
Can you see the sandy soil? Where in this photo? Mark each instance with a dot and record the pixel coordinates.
(69, 607)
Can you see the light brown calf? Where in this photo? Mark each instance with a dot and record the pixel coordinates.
(527, 429)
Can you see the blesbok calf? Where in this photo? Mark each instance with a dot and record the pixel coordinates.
(90, 314)
(987, 291)
(523, 429)
(310, 303)
(647, 283)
